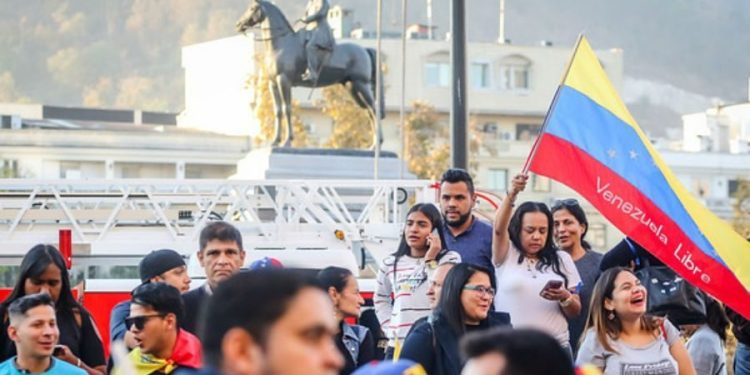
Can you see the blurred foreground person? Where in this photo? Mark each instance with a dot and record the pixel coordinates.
(503, 351)
(269, 322)
(400, 367)
(33, 329)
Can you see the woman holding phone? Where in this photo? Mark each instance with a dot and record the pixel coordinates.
(536, 282)
(401, 295)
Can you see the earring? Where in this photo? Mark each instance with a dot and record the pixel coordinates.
(611, 315)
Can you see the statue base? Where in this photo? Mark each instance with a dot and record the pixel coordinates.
(280, 163)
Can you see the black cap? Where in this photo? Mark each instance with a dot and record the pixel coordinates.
(157, 262)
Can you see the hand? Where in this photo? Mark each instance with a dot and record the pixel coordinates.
(67, 356)
(518, 184)
(559, 294)
(434, 246)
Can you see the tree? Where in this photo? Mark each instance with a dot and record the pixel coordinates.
(427, 148)
(742, 208)
(264, 110)
(352, 126)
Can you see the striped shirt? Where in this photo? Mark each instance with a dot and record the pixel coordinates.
(401, 296)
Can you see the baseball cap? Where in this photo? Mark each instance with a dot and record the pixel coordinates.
(157, 262)
(265, 262)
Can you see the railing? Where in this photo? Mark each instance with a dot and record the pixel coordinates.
(130, 217)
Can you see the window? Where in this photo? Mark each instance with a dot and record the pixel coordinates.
(514, 73)
(498, 179)
(527, 132)
(480, 75)
(437, 74)
(597, 235)
(540, 183)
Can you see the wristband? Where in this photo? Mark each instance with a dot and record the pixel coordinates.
(432, 264)
(566, 302)
(79, 363)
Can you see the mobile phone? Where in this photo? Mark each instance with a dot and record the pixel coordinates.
(58, 351)
(434, 233)
(552, 284)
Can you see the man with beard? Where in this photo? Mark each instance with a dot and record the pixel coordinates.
(221, 255)
(464, 233)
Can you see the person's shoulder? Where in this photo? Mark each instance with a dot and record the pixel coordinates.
(196, 293)
(7, 365)
(498, 318)
(595, 255)
(482, 225)
(62, 367)
(122, 306)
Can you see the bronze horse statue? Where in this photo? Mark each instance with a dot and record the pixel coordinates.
(347, 63)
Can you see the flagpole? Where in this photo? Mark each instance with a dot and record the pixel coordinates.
(535, 146)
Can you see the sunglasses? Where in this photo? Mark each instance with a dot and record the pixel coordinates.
(140, 321)
(570, 202)
(481, 289)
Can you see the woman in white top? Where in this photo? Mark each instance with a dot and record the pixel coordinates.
(621, 339)
(536, 282)
(401, 295)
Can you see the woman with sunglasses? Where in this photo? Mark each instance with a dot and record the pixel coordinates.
(355, 342)
(464, 307)
(43, 271)
(401, 295)
(622, 339)
(571, 225)
(536, 283)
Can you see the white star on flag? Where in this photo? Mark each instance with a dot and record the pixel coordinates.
(612, 153)
(633, 154)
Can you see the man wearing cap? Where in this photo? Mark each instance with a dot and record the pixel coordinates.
(163, 265)
(221, 255)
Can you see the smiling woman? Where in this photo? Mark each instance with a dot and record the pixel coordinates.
(622, 339)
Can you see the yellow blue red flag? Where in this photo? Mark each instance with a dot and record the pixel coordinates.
(592, 144)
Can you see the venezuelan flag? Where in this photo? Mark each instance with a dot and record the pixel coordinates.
(592, 144)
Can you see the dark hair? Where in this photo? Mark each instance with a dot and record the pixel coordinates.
(334, 277)
(33, 265)
(450, 307)
(716, 318)
(609, 329)
(526, 351)
(548, 255)
(575, 209)
(221, 231)
(454, 175)
(20, 306)
(436, 219)
(161, 297)
(253, 301)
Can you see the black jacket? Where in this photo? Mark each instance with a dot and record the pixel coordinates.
(438, 352)
(195, 301)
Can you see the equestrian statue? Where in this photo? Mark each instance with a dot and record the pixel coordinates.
(311, 58)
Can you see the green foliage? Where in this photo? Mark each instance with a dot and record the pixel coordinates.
(352, 127)
(741, 220)
(426, 142)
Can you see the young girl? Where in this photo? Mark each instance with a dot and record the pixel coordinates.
(401, 296)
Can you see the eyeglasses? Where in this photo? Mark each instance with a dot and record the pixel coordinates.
(481, 289)
(570, 202)
(140, 321)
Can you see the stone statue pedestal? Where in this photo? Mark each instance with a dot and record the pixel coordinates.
(271, 163)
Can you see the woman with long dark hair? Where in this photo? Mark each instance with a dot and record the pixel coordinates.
(537, 283)
(571, 226)
(465, 304)
(621, 339)
(708, 340)
(401, 295)
(355, 342)
(43, 271)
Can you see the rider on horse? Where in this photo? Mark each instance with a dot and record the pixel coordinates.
(319, 37)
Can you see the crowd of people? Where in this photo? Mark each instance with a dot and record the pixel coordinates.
(525, 294)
